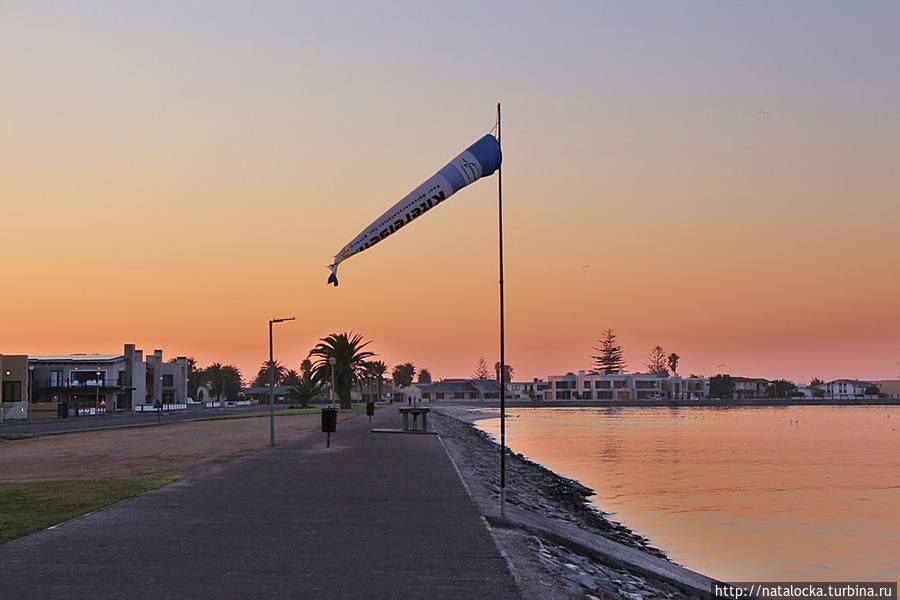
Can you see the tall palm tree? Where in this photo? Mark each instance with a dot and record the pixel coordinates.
(377, 368)
(347, 350)
(262, 378)
(673, 363)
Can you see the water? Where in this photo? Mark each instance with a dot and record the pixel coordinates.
(741, 494)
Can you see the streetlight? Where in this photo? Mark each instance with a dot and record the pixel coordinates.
(97, 394)
(272, 380)
(332, 361)
(30, 393)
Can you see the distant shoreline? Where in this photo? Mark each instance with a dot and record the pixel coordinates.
(707, 402)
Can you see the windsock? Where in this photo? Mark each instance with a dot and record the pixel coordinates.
(478, 160)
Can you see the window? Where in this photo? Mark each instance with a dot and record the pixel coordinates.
(439, 396)
(566, 395)
(168, 380)
(606, 384)
(645, 385)
(587, 385)
(473, 395)
(491, 395)
(459, 395)
(426, 395)
(562, 385)
(620, 384)
(56, 378)
(604, 395)
(586, 395)
(12, 391)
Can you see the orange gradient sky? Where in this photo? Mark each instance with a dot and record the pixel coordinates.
(176, 175)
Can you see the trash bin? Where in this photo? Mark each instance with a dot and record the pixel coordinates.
(370, 408)
(329, 420)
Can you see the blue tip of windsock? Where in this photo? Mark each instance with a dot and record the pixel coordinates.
(333, 277)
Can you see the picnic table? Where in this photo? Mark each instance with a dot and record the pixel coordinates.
(415, 411)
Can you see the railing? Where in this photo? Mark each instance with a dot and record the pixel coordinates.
(50, 384)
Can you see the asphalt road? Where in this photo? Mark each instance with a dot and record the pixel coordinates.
(112, 421)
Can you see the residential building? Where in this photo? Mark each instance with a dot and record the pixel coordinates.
(844, 389)
(85, 383)
(750, 387)
(890, 387)
(14, 386)
(453, 389)
(623, 386)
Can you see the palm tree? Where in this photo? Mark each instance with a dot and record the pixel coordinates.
(673, 363)
(262, 377)
(216, 378)
(305, 389)
(377, 368)
(291, 378)
(350, 360)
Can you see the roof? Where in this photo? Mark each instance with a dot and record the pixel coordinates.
(450, 386)
(75, 358)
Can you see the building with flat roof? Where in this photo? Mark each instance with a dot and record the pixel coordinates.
(90, 383)
(14, 386)
(624, 386)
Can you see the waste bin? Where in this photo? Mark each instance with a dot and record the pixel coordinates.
(370, 408)
(329, 423)
(329, 420)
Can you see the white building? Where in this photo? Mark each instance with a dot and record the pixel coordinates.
(623, 386)
(844, 389)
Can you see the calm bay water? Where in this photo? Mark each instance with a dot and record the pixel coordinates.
(741, 494)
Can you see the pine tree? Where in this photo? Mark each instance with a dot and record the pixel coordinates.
(656, 362)
(481, 370)
(610, 359)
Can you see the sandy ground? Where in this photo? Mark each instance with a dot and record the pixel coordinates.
(172, 449)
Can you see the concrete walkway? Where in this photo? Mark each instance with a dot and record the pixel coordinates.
(374, 516)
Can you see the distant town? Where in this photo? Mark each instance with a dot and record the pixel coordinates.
(73, 385)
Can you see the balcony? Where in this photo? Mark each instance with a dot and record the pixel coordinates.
(121, 384)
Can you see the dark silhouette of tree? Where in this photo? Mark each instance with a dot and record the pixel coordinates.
(815, 381)
(610, 359)
(291, 378)
(481, 370)
(721, 386)
(656, 361)
(196, 377)
(350, 363)
(781, 388)
(377, 368)
(403, 374)
(306, 367)
(673, 363)
(507, 372)
(304, 390)
(424, 376)
(216, 380)
(262, 377)
(872, 390)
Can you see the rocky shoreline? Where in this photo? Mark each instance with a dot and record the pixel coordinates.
(548, 567)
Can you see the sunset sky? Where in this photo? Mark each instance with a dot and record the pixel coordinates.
(175, 174)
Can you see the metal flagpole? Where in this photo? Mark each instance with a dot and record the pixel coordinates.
(502, 337)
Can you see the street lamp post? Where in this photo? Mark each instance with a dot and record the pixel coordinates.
(97, 393)
(332, 361)
(272, 380)
(30, 393)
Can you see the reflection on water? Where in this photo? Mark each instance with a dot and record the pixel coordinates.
(741, 494)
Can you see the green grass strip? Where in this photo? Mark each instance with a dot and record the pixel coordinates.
(30, 506)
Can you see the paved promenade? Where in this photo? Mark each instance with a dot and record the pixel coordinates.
(374, 516)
